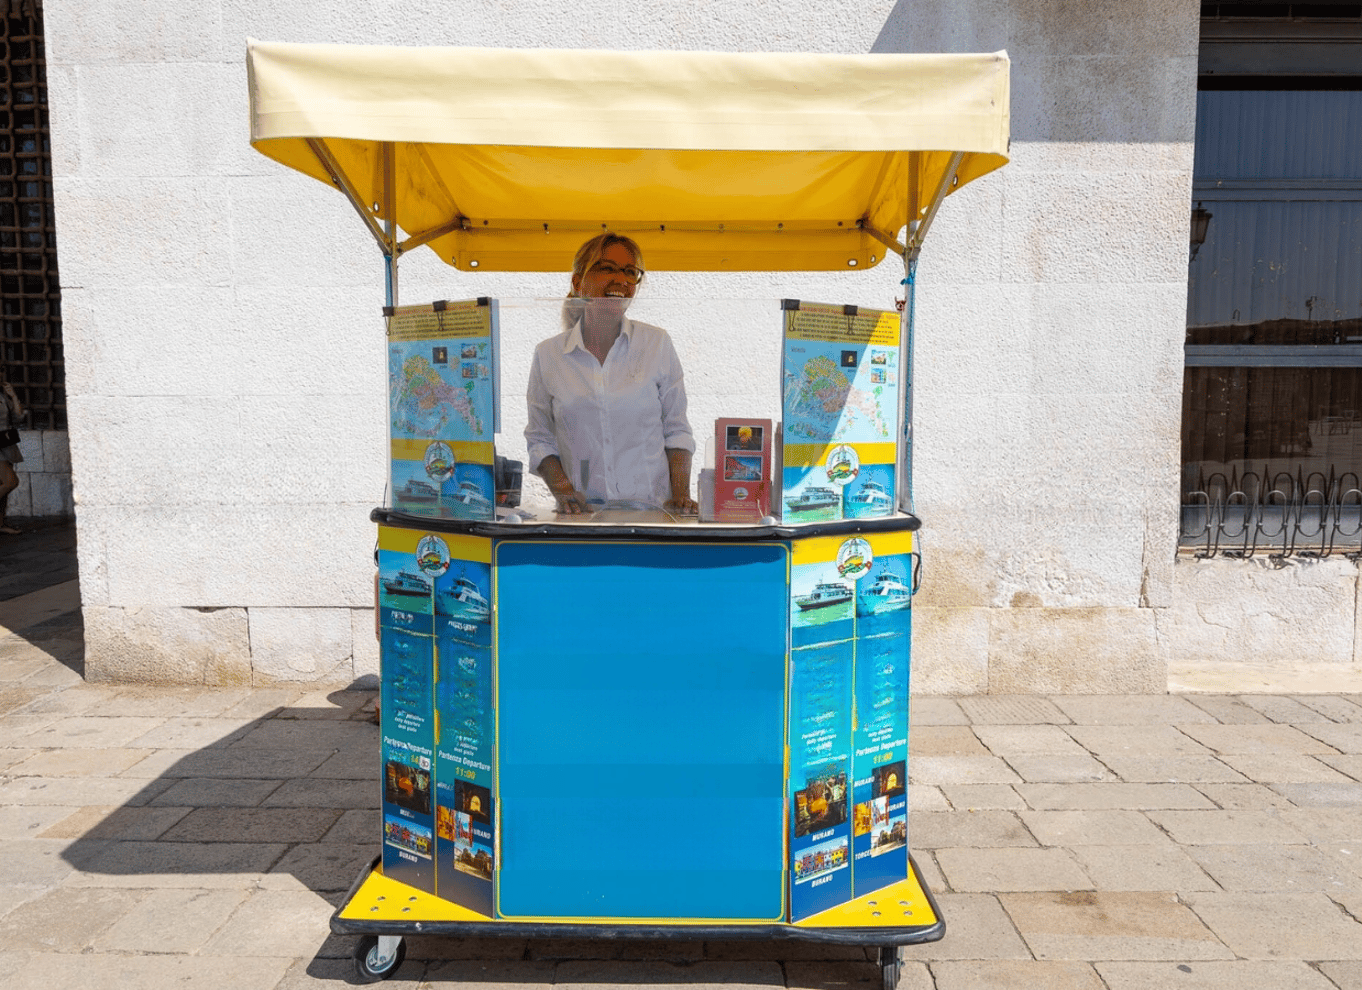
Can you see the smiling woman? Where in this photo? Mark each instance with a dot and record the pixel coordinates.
(607, 397)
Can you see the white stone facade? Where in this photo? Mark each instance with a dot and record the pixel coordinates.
(224, 346)
(44, 490)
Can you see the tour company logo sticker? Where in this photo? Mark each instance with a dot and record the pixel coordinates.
(439, 461)
(843, 465)
(432, 555)
(854, 558)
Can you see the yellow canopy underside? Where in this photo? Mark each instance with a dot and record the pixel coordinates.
(712, 161)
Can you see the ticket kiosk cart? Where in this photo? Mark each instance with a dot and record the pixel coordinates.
(628, 724)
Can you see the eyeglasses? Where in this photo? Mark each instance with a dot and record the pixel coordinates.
(631, 274)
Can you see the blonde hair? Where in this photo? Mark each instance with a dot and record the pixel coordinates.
(587, 255)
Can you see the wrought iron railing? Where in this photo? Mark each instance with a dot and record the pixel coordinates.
(1273, 513)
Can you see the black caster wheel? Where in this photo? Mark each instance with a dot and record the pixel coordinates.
(889, 966)
(378, 958)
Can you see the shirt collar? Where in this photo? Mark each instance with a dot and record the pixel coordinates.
(573, 340)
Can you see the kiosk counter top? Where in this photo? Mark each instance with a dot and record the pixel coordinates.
(656, 525)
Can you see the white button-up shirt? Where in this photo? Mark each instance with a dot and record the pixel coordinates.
(610, 424)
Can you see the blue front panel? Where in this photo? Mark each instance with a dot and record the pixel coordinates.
(641, 692)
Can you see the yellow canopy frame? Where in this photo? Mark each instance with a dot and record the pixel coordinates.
(507, 159)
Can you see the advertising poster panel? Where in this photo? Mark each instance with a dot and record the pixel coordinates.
(849, 678)
(840, 399)
(465, 727)
(443, 407)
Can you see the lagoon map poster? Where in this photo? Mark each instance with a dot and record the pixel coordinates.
(840, 398)
(443, 408)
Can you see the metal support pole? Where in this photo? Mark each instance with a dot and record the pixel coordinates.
(390, 249)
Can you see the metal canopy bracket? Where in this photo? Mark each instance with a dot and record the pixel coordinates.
(342, 182)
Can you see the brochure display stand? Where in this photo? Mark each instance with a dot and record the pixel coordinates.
(629, 725)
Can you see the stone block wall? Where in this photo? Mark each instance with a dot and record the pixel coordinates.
(44, 490)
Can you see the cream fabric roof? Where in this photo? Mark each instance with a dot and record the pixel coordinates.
(711, 160)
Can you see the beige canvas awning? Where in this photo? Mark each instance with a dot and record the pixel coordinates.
(507, 159)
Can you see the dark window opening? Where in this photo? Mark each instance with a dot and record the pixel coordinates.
(30, 294)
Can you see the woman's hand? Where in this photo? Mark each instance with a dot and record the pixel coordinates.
(684, 506)
(570, 501)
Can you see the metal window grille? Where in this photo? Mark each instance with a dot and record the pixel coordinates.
(30, 294)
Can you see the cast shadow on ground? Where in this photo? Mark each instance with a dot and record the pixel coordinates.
(287, 797)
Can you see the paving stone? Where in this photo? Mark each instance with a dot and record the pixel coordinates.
(282, 733)
(329, 704)
(1230, 711)
(16, 698)
(1086, 828)
(324, 866)
(931, 876)
(15, 730)
(195, 733)
(1252, 924)
(1350, 764)
(1325, 824)
(1142, 740)
(941, 829)
(1350, 901)
(1284, 768)
(210, 865)
(980, 797)
(1228, 975)
(171, 921)
(351, 763)
(212, 792)
(1059, 769)
(1096, 925)
(263, 703)
(1199, 828)
(318, 792)
(71, 701)
(1138, 797)
(1177, 769)
(944, 740)
(106, 822)
(273, 923)
(34, 861)
(1028, 740)
(1272, 867)
(65, 919)
(91, 732)
(1011, 710)
(979, 870)
(1346, 975)
(1244, 797)
(79, 762)
(255, 762)
(1164, 867)
(944, 770)
(1314, 795)
(13, 896)
(14, 671)
(356, 826)
(1331, 706)
(979, 929)
(1343, 738)
(178, 702)
(1267, 739)
(1015, 974)
(935, 711)
(29, 821)
(1280, 708)
(45, 970)
(253, 824)
(10, 756)
(929, 797)
(1131, 709)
